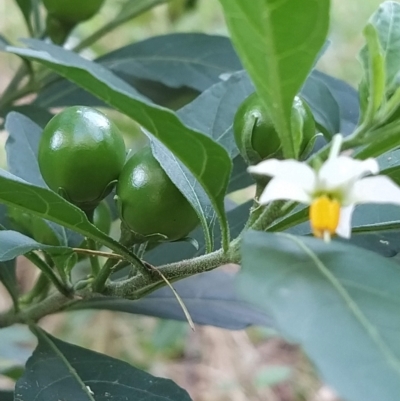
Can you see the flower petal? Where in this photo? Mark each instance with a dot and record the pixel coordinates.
(291, 171)
(342, 170)
(344, 227)
(380, 189)
(278, 189)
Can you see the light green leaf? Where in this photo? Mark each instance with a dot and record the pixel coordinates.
(278, 42)
(340, 303)
(373, 61)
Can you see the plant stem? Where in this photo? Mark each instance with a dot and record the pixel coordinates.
(48, 271)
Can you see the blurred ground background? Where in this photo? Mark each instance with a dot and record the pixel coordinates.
(212, 364)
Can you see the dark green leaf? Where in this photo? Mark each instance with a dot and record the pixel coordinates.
(200, 154)
(346, 98)
(210, 298)
(278, 42)
(187, 60)
(38, 115)
(323, 104)
(62, 371)
(214, 110)
(194, 60)
(340, 303)
(240, 178)
(26, 9)
(22, 148)
(6, 395)
(9, 279)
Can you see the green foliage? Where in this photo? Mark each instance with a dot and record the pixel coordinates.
(338, 301)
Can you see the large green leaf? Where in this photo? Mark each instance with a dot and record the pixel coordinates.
(47, 204)
(62, 371)
(210, 298)
(278, 42)
(339, 302)
(191, 60)
(211, 113)
(207, 160)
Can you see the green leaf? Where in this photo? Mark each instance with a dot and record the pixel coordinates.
(6, 395)
(67, 372)
(188, 60)
(195, 60)
(386, 21)
(200, 154)
(9, 279)
(213, 111)
(240, 178)
(47, 204)
(22, 148)
(339, 302)
(373, 61)
(278, 42)
(13, 244)
(211, 299)
(38, 115)
(26, 9)
(322, 102)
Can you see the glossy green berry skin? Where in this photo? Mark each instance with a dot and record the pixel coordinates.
(81, 155)
(150, 205)
(255, 134)
(72, 11)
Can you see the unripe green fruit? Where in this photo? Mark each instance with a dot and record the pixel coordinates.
(255, 134)
(72, 11)
(81, 154)
(150, 204)
(102, 217)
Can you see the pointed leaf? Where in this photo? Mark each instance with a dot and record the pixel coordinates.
(278, 42)
(339, 302)
(67, 372)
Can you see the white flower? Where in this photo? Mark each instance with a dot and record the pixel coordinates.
(332, 191)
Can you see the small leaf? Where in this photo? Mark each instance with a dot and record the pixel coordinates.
(74, 373)
(210, 298)
(161, 123)
(340, 303)
(278, 42)
(374, 68)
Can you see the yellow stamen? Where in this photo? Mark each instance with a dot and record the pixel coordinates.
(324, 217)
